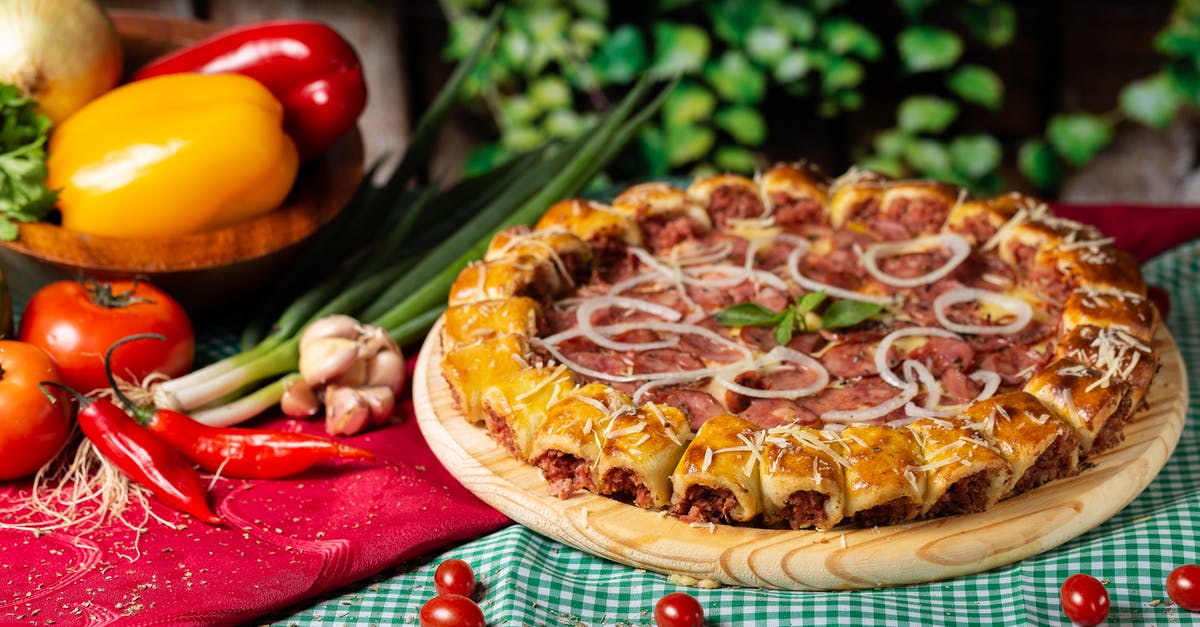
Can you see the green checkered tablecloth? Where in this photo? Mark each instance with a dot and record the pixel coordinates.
(530, 580)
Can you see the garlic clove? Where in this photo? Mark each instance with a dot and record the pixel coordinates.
(354, 376)
(298, 399)
(386, 368)
(326, 359)
(381, 402)
(346, 411)
(375, 339)
(336, 325)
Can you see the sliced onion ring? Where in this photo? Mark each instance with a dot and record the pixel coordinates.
(990, 381)
(782, 353)
(1019, 308)
(583, 315)
(907, 393)
(959, 247)
(793, 266)
(881, 351)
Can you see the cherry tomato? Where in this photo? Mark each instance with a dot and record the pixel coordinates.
(1183, 586)
(678, 610)
(1084, 600)
(451, 610)
(454, 576)
(77, 322)
(32, 428)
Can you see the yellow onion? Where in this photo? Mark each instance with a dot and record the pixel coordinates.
(62, 53)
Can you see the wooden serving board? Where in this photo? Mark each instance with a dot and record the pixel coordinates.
(839, 559)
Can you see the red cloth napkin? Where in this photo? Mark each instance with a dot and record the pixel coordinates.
(290, 540)
(287, 540)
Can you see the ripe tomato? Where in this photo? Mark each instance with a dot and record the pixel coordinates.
(454, 576)
(451, 610)
(77, 322)
(32, 428)
(1183, 586)
(1084, 600)
(678, 610)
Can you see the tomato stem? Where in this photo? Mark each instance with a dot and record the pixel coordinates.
(102, 294)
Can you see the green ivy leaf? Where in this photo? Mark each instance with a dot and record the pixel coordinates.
(913, 8)
(652, 147)
(622, 56)
(1039, 163)
(744, 124)
(1186, 79)
(844, 36)
(1178, 41)
(678, 49)
(484, 159)
(1078, 136)
(890, 143)
(595, 9)
(518, 109)
(889, 165)
(978, 85)
(515, 48)
(767, 44)
(735, 159)
(736, 79)
(688, 143)
(975, 155)
(841, 73)
(847, 313)
(793, 66)
(732, 19)
(850, 100)
(799, 22)
(748, 315)
(522, 138)
(464, 35)
(550, 92)
(565, 123)
(824, 6)
(926, 114)
(1151, 101)
(925, 48)
(687, 104)
(586, 35)
(929, 157)
(993, 23)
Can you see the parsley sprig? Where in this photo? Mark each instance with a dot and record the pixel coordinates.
(839, 314)
(23, 133)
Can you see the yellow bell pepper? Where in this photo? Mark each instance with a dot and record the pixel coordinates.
(172, 155)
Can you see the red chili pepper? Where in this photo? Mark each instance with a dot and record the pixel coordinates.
(232, 451)
(143, 456)
(307, 65)
(246, 453)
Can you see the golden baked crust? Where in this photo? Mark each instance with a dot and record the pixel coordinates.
(638, 403)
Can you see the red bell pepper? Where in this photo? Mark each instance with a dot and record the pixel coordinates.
(307, 65)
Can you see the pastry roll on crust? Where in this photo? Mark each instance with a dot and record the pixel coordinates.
(472, 369)
(640, 447)
(566, 447)
(515, 407)
(884, 481)
(1079, 395)
(727, 197)
(471, 322)
(980, 220)
(795, 194)
(1058, 270)
(965, 474)
(1038, 445)
(920, 206)
(1114, 309)
(665, 214)
(717, 478)
(570, 255)
(802, 477)
(1114, 352)
(538, 277)
(592, 222)
(855, 196)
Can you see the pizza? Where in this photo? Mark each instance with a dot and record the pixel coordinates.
(795, 351)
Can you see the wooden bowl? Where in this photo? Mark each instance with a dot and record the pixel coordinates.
(204, 270)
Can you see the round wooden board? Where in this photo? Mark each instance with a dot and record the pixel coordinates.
(840, 559)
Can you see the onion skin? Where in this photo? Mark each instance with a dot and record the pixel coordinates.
(62, 53)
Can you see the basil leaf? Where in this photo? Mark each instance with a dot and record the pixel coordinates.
(810, 301)
(847, 313)
(785, 328)
(749, 315)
